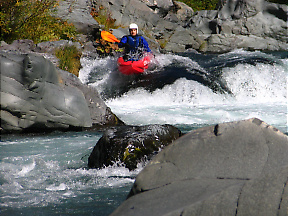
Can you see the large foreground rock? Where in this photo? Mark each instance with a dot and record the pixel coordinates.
(237, 168)
(131, 144)
(36, 96)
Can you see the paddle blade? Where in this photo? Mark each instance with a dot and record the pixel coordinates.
(109, 37)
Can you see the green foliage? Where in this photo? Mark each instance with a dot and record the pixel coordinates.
(69, 59)
(197, 5)
(103, 17)
(279, 1)
(105, 48)
(31, 19)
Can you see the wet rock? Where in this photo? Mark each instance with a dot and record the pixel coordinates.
(236, 168)
(131, 144)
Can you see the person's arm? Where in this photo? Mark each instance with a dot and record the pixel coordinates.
(145, 44)
(123, 42)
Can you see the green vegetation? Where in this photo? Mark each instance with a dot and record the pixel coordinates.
(31, 19)
(130, 159)
(69, 59)
(279, 1)
(197, 5)
(103, 17)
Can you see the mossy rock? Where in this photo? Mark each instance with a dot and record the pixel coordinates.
(131, 144)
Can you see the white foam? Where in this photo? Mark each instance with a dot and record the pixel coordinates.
(27, 168)
(53, 187)
(261, 83)
(255, 89)
(98, 65)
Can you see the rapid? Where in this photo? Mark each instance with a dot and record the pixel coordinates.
(48, 175)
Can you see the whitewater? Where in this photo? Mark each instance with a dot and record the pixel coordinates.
(248, 84)
(47, 174)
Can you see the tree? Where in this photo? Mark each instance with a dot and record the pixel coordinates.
(31, 19)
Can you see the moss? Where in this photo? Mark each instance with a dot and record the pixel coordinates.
(132, 156)
(163, 43)
(203, 46)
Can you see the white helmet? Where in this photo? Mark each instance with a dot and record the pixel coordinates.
(133, 26)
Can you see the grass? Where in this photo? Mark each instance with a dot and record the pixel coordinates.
(69, 59)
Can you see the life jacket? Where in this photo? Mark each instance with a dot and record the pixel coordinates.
(133, 51)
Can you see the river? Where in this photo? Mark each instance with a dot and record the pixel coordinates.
(48, 175)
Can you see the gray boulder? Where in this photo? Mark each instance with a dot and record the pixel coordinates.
(32, 96)
(36, 96)
(237, 23)
(78, 13)
(237, 168)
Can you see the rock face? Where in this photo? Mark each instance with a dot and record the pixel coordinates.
(78, 13)
(131, 144)
(237, 168)
(253, 25)
(35, 96)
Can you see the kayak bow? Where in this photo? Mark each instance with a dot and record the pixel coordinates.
(133, 67)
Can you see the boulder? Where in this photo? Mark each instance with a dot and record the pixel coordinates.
(183, 11)
(236, 20)
(78, 13)
(36, 96)
(224, 43)
(32, 96)
(235, 9)
(131, 144)
(181, 40)
(236, 168)
(100, 113)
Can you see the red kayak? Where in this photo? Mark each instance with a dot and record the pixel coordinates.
(133, 67)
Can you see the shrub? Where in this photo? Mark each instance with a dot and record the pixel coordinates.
(69, 59)
(103, 17)
(32, 19)
(279, 1)
(197, 5)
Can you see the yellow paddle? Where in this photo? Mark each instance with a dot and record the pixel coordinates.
(109, 37)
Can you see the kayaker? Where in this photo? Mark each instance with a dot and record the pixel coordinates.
(135, 45)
